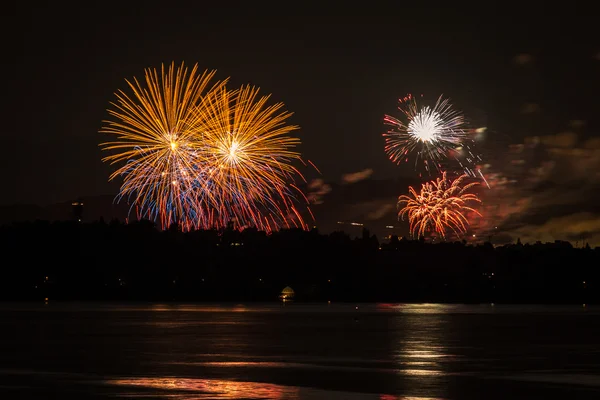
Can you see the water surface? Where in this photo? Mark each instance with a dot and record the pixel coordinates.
(300, 352)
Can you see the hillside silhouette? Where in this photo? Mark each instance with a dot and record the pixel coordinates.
(136, 261)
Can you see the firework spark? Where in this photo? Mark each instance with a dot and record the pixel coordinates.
(156, 130)
(442, 205)
(201, 155)
(432, 135)
(249, 152)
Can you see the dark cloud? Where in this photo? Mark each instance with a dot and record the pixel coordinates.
(547, 189)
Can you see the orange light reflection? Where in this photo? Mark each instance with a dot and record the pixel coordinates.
(196, 389)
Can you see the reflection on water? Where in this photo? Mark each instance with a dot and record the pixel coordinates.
(196, 389)
(390, 397)
(204, 308)
(209, 389)
(418, 348)
(299, 352)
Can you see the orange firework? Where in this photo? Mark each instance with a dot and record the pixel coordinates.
(202, 155)
(248, 150)
(441, 205)
(156, 129)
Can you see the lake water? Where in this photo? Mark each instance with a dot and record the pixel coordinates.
(299, 352)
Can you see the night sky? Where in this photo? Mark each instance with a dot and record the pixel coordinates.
(522, 72)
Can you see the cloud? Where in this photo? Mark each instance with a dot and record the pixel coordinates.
(372, 211)
(357, 176)
(547, 188)
(582, 227)
(317, 189)
(380, 212)
(562, 140)
(593, 143)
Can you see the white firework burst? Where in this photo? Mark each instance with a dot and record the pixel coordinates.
(430, 135)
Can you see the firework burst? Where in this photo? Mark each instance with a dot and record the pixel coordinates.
(442, 205)
(156, 128)
(432, 135)
(201, 155)
(249, 153)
